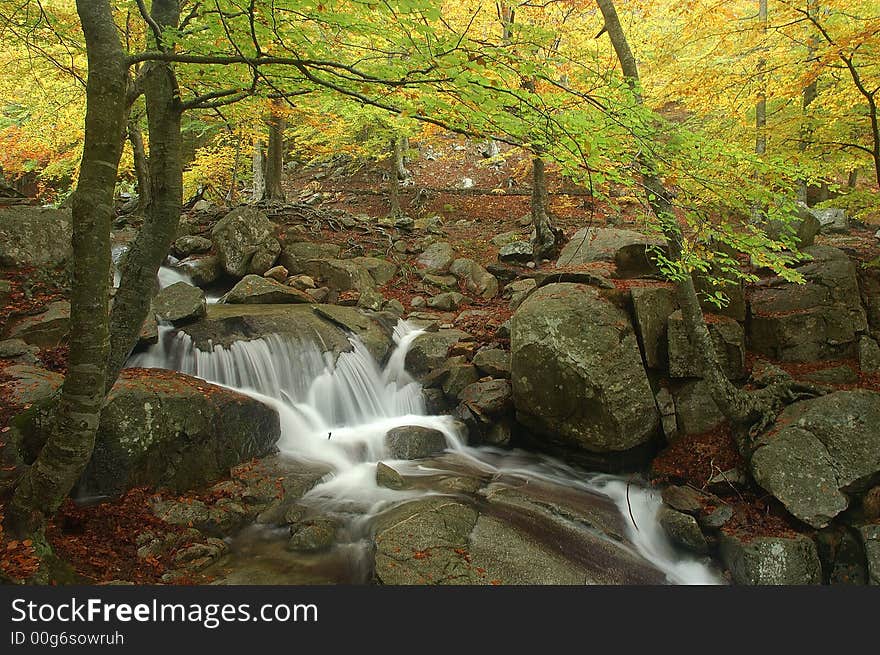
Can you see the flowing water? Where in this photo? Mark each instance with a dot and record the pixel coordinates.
(336, 411)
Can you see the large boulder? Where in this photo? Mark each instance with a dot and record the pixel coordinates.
(34, 236)
(817, 320)
(631, 252)
(245, 242)
(179, 303)
(771, 560)
(577, 373)
(821, 452)
(256, 290)
(295, 254)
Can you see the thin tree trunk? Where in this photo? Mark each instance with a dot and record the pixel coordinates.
(808, 95)
(544, 240)
(275, 156)
(761, 106)
(141, 166)
(150, 247)
(393, 184)
(257, 165)
(69, 445)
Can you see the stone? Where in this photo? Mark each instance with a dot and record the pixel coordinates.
(394, 306)
(577, 374)
(18, 351)
(257, 290)
(371, 299)
(870, 537)
(417, 302)
(727, 336)
(387, 477)
(203, 271)
(477, 279)
(312, 535)
(814, 321)
(47, 329)
(842, 556)
(190, 245)
(842, 374)
(771, 560)
(340, 274)
(295, 254)
(683, 499)
(683, 530)
(802, 227)
(429, 350)
(277, 273)
(458, 376)
(436, 258)
(443, 282)
(516, 252)
(381, 270)
(414, 442)
(319, 295)
(869, 355)
(666, 407)
(631, 252)
(518, 291)
(500, 240)
(717, 518)
(832, 220)
(179, 303)
(149, 332)
(488, 398)
(695, 410)
(494, 362)
(652, 307)
(245, 242)
(871, 504)
(34, 236)
(25, 384)
(448, 301)
(301, 282)
(819, 452)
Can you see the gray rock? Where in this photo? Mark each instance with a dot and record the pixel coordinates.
(436, 258)
(381, 270)
(494, 362)
(834, 375)
(518, 291)
(869, 355)
(46, 329)
(444, 282)
(34, 236)
(417, 302)
(414, 442)
(652, 307)
(632, 252)
(666, 406)
(870, 537)
(295, 254)
(695, 410)
(477, 279)
(683, 530)
(394, 306)
(832, 220)
(458, 376)
(179, 303)
(387, 477)
(577, 373)
(429, 350)
(717, 518)
(312, 535)
(517, 252)
(371, 299)
(203, 271)
(771, 560)
(29, 385)
(245, 242)
(448, 301)
(190, 245)
(256, 290)
(802, 227)
(340, 274)
(277, 273)
(488, 398)
(18, 351)
(683, 499)
(501, 240)
(727, 336)
(819, 452)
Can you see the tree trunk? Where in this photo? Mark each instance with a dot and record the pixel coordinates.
(393, 183)
(761, 106)
(69, 445)
(808, 95)
(275, 156)
(257, 165)
(141, 166)
(150, 247)
(544, 240)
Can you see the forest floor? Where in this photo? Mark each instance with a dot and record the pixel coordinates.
(101, 541)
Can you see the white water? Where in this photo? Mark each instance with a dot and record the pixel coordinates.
(337, 413)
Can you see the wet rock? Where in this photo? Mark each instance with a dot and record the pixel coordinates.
(34, 236)
(387, 477)
(203, 271)
(312, 535)
(449, 301)
(631, 252)
(771, 560)
(652, 307)
(414, 442)
(517, 252)
(218, 520)
(477, 279)
(47, 329)
(295, 254)
(727, 336)
(683, 530)
(695, 410)
(494, 362)
(577, 374)
(436, 258)
(458, 376)
(819, 452)
(489, 398)
(179, 303)
(428, 351)
(245, 242)
(190, 245)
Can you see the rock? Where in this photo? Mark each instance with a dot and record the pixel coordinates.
(277, 273)
(577, 373)
(832, 220)
(387, 477)
(245, 242)
(727, 336)
(47, 329)
(295, 254)
(312, 535)
(802, 227)
(203, 271)
(301, 282)
(518, 291)
(695, 410)
(476, 278)
(632, 252)
(683, 530)
(666, 407)
(319, 295)
(380, 270)
(371, 299)
(444, 282)
(771, 560)
(489, 398)
(414, 442)
(179, 303)
(256, 290)
(652, 307)
(448, 301)
(501, 240)
(869, 355)
(340, 274)
(436, 258)
(458, 376)
(417, 302)
(517, 252)
(870, 537)
(34, 236)
(553, 276)
(869, 285)
(717, 518)
(405, 223)
(28, 385)
(834, 375)
(190, 245)
(819, 452)
(18, 351)
(394, 306)
(428, 351)
(871, 504)
(817, 320)
(683, 499)
(842, 556)
(494, 362)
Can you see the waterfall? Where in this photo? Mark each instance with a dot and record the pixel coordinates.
(336, 411)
